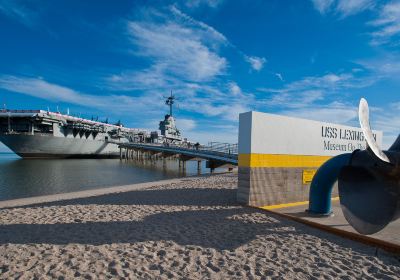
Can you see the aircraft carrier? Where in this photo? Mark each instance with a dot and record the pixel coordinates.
(45, 134)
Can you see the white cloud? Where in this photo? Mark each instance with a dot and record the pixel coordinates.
(279, 76)
(294, 100)
(206, 100)
(185, 125)
(218, 36)
(184, 58)
(303, 98)
(235, 89)
(384, 66)
(343, 7)
(153, 78)
(328, 81)
(42, 89)
(257, 63)
(177, 49)
(322, 6)
(352, 7)
(388, 23)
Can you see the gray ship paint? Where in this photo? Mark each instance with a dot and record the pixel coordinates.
(41, 134)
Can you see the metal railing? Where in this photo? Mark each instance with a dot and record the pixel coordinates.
(218, 147)
(218, 151)
(222, 147)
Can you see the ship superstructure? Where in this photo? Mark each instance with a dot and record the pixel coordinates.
(38, 133)
(168, 128)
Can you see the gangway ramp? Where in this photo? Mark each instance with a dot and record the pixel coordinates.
(217, 154)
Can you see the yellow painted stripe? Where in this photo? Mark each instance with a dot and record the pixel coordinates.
(285, 205)
(273, 160)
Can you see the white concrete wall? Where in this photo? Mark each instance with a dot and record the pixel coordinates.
(263, 133)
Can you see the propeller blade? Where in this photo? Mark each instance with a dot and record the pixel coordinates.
(363, 115)
(369, 200)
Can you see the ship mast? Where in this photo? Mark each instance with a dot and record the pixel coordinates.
(170, 101)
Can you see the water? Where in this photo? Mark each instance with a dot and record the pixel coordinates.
(32, 177)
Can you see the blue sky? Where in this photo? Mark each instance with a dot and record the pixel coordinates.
(117, 59)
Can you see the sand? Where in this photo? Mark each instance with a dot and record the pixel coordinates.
(189, 229)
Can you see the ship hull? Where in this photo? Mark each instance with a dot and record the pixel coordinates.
(49, 146)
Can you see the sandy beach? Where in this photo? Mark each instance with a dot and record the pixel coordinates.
(189, 229)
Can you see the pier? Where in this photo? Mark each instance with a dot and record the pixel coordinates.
(216, 154)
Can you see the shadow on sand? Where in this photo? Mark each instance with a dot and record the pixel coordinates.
(205, 228)
(176, 197)
(222, 229)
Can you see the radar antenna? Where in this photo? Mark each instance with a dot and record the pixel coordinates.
(170, 101)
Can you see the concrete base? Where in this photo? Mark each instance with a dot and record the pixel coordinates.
(262, 186)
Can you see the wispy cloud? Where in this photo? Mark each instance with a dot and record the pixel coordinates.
(40, 88)
(235, 89)
(343, 8)
(388, 24)
(280, 77)
(184, 57)
(257, 63)
(218, 36)
(197, 3)
(352, 7)
(208, 101)
(297, 100)
(318, 97)
(177, 49)
(327, 82)
(321, 98)
(386, 66)
(223, 102)
(323, 6)
(20, 11)
(187, 125)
